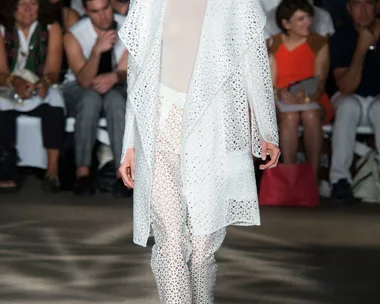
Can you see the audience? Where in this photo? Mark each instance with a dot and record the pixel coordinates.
(58, 11)
(297, 54)
(65, 16)
(98, 61)
(95, 61)
(322, 23)
(30, 62)
(355, 61)
(120, 6)
(337, 10)
(77, 5)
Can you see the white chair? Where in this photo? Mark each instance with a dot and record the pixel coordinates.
(29, 140)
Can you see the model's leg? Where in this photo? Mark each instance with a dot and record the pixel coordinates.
(172, 246)
(203, 267)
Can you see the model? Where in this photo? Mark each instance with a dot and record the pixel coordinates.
(200, 104)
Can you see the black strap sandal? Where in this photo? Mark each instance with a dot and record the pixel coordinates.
(50, 184)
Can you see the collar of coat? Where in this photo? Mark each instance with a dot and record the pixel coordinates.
(231, 36)
(229, 28)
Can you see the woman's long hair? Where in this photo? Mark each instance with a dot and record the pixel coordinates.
(47, 12)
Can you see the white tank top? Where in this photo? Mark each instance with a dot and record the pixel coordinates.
(180, 40)
(85, 34)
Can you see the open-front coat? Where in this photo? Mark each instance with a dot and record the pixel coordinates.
(230, 78)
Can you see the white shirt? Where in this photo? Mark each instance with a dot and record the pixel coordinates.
(322, 23)
(77, 5)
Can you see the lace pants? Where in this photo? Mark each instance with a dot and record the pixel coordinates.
(183, 263)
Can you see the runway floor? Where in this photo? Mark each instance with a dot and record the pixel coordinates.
(61, 249)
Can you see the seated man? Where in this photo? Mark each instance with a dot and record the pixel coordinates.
(98, 61)
(322, 22)
(355, 62)
(337, 10)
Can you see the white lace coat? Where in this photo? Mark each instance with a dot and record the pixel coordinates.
(231, 76)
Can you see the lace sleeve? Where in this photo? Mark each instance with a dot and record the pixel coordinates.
(260, 95)
(130, 120)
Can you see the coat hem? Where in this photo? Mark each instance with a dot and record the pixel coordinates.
(232, 223)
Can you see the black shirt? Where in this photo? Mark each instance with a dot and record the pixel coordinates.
(342, 47)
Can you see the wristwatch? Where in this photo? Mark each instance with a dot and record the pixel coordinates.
(307, 99)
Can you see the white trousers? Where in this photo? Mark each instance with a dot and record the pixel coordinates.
(183, 263)
(351, 111)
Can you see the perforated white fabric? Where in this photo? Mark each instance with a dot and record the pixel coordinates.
(231, 76)
(170, 114)
(183, 263)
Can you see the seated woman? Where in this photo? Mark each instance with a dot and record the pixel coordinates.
(58, 11)
(64, 15)
(297, 54)
(30, 63)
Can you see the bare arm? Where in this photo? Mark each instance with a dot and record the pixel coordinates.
(273, 70)
(84, 70)
(4, 70)
(322, 64)
(54, 55)
(348, 79)
(72, 17)
(122, 68)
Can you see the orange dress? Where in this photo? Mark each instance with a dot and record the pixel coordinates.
(299, 64)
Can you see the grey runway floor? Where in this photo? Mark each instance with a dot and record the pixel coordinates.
(60, 249)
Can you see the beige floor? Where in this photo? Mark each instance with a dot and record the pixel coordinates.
(59, 249)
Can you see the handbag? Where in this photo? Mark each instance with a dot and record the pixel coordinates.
(289, 185)
(366, 183)
(9, 93)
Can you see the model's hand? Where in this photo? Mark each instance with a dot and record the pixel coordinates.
(269, 149)
(127, 169)
(104, 82)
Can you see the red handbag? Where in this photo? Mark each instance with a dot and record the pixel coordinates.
(289, 185)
